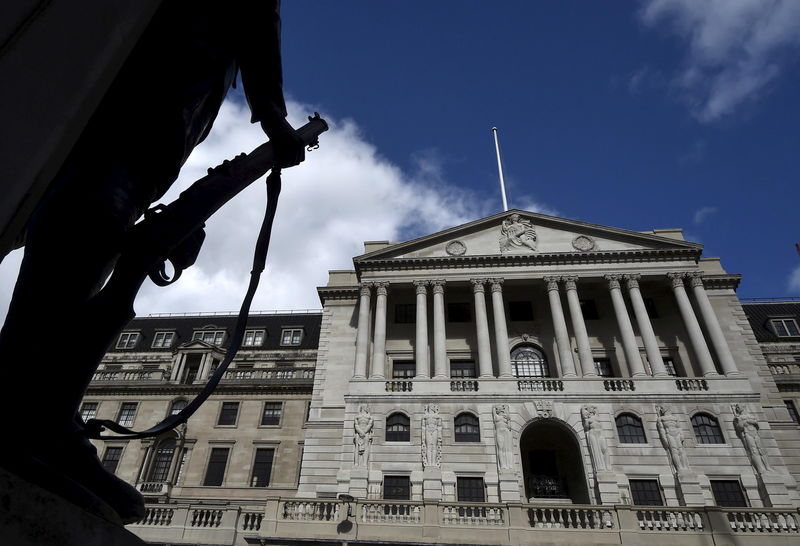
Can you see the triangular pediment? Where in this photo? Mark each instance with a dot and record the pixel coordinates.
(518, 232)
(197, 344)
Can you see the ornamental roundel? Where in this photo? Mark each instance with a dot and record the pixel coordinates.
(584, 243)
(455, 248)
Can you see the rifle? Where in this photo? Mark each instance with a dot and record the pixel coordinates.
(174, 233)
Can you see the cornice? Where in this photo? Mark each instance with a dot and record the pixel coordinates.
(338, 293)
(285, 386)
(534, 259)
(722, 281)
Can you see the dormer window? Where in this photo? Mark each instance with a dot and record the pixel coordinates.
(253, 338)
(291, 336)
(127, 340)
(212, 337)
(785, 327)
(163, 340)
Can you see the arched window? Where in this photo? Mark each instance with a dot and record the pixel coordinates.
(177, 405)
(162, 460)
(630, 429)
(706, 429)
(528, 361)
(467, 428)
(398, 428)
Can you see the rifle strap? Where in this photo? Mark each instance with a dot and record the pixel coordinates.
(94, 427)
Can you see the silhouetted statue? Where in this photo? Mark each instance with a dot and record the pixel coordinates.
(159, 107)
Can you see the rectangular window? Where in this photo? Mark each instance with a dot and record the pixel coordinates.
(470, 490)
(785, 327)
(405, 313)
(646, 493)
(792, 409)
(603, 367)
(520, 311)
(212, 337)
(458, 312)
(460, 369)
(127, 340)
(396, 488)
(163, 340)
(127, 411)
(291, 336)
(589, 310)
(669, 364)
(88, 410)
(216, 466)
(262, 467)
(272, 413)
(650, 306)
(404, 369)
(253, 338)
(111, 458)
(228, 413)
(728, 493)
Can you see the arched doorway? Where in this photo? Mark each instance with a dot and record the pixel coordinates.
(552, 464)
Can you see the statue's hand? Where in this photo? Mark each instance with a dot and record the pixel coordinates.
(287, 145)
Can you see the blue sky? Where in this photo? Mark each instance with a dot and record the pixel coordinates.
(634, 114)
(596, 118)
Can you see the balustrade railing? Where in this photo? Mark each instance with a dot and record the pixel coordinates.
(763, 520)
(569, 517)
(157, 488)
(540, 385)
(784, 368)
(206, 517)
(691, 384)
(390, 512)
(133, 375)
(251, 521)
(669, 519)
(311, 510)
(266, 374)
(619, 385)
(157, 516)
(399, 386)
(472, 514)
(464, 385)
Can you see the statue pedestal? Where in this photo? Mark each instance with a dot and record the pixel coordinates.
(432, 484)
(509, 486)
(691, 490)
(359, 482)
(608, 487)
(33, 516)
(775, 486)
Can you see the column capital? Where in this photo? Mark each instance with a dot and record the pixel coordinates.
(477, 285)
(695, 279)
(632, 280)
(676, 279)
(497, 284)
(381, 288)
(552, 283)
(570, 282)
(438, 286)
(421, 287)
(613, 281)
(366, 288)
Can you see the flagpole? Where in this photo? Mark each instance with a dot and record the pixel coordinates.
(500, 169)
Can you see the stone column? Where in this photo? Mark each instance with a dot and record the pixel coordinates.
(500, 329)
(629, 345)
(726, 361)
(362, 336)
(379, 339)
(645, 327)
(421, 349)
(579, 327)
(692, 326)
(482, 326)
(439, 336)
(205, 364)
(560, 328)
(177, 369)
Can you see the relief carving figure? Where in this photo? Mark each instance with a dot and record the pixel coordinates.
(669, 429)
(746, 426)
(431, 437)
(516, 233)
(594, 436)
(505, 441)
(363, 438)
(544, 408)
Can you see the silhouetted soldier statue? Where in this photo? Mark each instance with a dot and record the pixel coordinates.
(160, 106)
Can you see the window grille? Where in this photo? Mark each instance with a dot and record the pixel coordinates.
(398, 428)
(527, 361)
(467, 428)
(706, 429)
(646, 493)
(630, 429)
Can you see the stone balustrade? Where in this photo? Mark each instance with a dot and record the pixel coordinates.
(619, 385)
(540, 385)
(153, 488)
(457, 522)
(691, 384)
(784, 368)
(236, 375)
(464, 385)
(399, 386)
(130, 375)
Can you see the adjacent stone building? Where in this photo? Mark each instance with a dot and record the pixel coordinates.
(519, 379)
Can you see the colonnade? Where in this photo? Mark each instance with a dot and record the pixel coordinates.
(569, 365)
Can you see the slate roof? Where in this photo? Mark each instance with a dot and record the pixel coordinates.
(759, 313)
(185, 326)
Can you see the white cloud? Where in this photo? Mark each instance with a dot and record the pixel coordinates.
(794, 281)
(703, 213)
(736, 48)
(345, 193)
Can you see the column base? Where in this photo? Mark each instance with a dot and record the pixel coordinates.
(711, 374)
(359, 377)
(378, 377)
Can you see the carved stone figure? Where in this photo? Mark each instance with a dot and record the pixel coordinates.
(363, 437)
(598, 449)
(517, 232)
(503, 437)
(431, 437)
(746, 426)
(669, 429)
